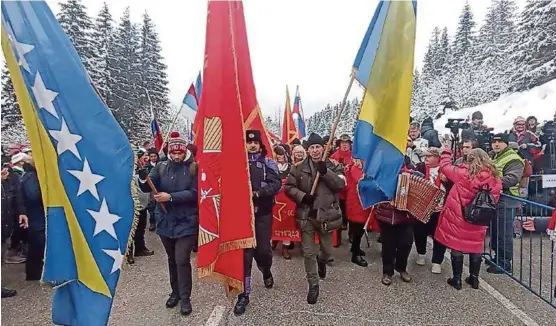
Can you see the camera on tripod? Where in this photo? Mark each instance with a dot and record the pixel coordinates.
(456, 124)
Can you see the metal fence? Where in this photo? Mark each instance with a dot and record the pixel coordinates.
(526, 256)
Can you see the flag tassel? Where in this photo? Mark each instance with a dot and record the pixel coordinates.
(333, 128)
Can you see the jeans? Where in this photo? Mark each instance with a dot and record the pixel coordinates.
(262, 253)
(311, 249)
(423, 230)
(502, 236)
(397, 241)
(179, 265)
(35, 255)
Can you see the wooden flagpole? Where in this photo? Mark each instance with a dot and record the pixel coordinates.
(333, 129)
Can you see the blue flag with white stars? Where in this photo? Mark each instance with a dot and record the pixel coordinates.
(83, 159)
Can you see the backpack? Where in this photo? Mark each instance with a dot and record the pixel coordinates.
(482, 209)
(527, 173)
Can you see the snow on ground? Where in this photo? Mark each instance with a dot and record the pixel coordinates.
(500, 114)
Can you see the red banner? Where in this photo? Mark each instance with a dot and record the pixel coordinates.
(225, 204)
(283, 219)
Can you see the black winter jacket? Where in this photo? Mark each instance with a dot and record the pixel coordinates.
(182, 213)
(12, 203)
(265, 183)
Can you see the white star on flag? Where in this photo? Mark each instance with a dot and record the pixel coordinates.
(87, 180)
(118, 258)
(44, 96)
(22, 49)
(104, 220)
(66, 140)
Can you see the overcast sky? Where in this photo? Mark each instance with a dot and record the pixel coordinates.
(310, 43)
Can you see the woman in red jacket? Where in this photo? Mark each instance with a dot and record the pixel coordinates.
(453, 230)
(356, 215)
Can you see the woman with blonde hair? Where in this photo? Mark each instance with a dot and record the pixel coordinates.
(453, 230)
(298, 154)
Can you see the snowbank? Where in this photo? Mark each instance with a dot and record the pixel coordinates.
(500, 114)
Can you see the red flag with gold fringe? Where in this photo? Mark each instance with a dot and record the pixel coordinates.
(226, 222)
(289, 132)
(252, 115)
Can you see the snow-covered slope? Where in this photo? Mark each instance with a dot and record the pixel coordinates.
(500, 114)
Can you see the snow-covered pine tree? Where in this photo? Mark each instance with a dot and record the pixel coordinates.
(77, 24)
(465, 33)
(127, 88)
(431, 62)
(153, 71)
(272, 126)
(464, 64)
(102, 72)
(497, 37)
(13, 130)
(536, 45)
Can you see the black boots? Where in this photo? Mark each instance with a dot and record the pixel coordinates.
(8, 293)
(313, 294)
(186, 308)
(173, 300)
(358, 260)
(474, 269)
(268, 280)
(457, 270)
(241, 304)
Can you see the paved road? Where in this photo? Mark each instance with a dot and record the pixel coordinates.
(350, 295)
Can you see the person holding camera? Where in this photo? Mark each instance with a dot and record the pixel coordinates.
(318, 212)
(476, 131)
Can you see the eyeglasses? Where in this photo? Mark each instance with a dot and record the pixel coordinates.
(520, 124)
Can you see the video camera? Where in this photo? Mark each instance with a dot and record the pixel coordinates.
(456, 124)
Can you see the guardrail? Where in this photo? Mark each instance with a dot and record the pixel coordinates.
(527, 257)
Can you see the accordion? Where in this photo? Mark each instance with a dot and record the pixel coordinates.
(418, 196)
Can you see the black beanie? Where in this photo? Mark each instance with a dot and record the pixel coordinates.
(314, 139)
(501, 137)
(152, 150)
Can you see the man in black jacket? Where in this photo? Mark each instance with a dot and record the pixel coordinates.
(429, 133)
(477, 130)
(265, 184)
(176, 215)
(12, 211)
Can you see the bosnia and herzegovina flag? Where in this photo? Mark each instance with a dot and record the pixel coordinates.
(384, 66)
(83, 159)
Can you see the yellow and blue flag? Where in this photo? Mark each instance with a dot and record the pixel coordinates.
(83, 159)
(384, 66)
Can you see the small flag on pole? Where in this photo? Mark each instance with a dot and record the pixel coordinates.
(298, 115)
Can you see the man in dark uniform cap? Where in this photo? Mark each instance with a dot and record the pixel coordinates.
(265, 184)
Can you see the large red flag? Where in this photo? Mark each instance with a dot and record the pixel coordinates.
(226, 222)
(289, 132)
(252, 115)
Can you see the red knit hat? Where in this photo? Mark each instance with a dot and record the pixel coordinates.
(176, 143)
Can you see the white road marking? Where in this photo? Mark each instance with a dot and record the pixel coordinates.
(216, 316)
(504, 301)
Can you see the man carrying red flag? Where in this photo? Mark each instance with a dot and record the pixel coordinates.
(226, 217)
(265, 184)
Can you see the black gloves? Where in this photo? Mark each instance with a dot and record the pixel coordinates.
(143, 173)
(321, 167)
(308, 199)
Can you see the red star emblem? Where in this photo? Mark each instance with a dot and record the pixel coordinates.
(282, 206)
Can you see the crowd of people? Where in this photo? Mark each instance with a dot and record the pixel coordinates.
(463, 172)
